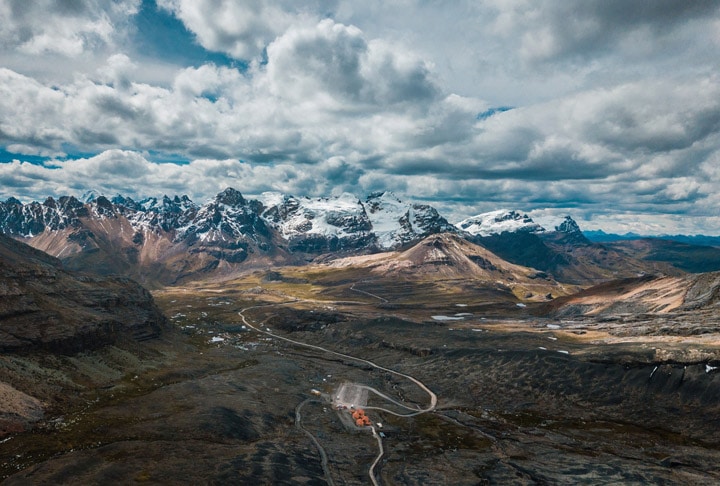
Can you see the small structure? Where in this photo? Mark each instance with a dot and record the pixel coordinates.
(361, 420)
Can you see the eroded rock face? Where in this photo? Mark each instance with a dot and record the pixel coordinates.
(44, 307)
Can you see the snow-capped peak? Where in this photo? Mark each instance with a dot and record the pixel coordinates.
(230, 197)
(568, 226)
(498, 222)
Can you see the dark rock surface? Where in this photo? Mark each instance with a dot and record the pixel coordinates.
(45, 307)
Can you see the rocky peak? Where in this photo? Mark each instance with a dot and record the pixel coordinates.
(568, 225)
(103, 207)
(227, 220)
(71, 206)
(230, 197)
(568, 232)
(126, 204)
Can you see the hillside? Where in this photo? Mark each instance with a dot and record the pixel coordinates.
(43, 306)
(47, 316)
(684, 256)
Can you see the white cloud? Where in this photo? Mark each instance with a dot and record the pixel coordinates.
(241, 29)
(611, 111)
(68, 28)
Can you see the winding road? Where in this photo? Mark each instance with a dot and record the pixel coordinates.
(433, 397)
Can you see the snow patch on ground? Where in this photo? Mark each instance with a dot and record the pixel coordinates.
(447, 318)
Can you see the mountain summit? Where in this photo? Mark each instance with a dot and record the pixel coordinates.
(568, 225)
(498, 222)
(173, 239)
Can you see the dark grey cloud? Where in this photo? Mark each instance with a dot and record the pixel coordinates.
(555, 29)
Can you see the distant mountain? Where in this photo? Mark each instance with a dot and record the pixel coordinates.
(600, 236)
(155, 241)
(345, 223)
(566, 254)
(173, 239)
(685, 256)
(498, 222)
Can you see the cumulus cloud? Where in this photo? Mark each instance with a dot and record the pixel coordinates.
(334, 60)
(615, 106)
(62, 27)
(281, 111)
(130, 173)
(241, 29)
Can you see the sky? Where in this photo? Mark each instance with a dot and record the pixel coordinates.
(606, 110)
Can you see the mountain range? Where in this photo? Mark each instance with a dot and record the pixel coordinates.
(173, 240)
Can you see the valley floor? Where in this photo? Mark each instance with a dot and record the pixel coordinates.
(520, 399)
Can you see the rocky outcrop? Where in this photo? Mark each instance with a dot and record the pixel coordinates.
(44, 307)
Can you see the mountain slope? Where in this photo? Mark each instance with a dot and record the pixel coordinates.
(447, 257)
(565, 253)
(43, 306)
(156, 242)
(697, 294)
(688, 257)
(172, 240)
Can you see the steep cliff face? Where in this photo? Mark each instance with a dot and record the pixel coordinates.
(44, 307)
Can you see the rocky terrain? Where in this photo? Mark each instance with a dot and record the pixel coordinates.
(568, 255)
(521, 399)
(46, 311)
(277, 306)
(42, 306)
(173, 240)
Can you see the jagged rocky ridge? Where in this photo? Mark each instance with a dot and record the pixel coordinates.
(307, 224)
(172, 239)
(381, 222)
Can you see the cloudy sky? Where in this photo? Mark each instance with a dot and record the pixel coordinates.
(608, 110)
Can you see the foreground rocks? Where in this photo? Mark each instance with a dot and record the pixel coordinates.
(47, 316)
(44, 307)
